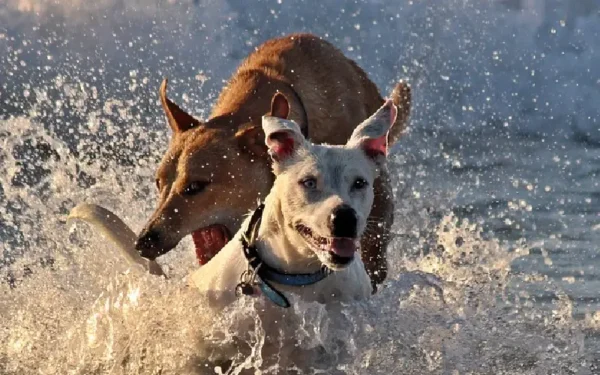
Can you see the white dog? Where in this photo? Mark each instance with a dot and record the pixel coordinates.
(304, 239)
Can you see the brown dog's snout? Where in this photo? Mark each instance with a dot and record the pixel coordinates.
(148, 244)
(343, 222)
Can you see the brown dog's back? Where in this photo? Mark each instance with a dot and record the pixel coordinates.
(328, 88)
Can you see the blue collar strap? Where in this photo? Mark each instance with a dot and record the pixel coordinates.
(262, 275)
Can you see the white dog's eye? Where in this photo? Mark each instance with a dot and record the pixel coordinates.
(309, 183)
(360, 183)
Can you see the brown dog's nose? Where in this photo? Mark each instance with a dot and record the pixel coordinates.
(147, 244)
(343, 222)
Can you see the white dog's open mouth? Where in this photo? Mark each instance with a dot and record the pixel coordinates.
(209, 241)
(340, 249)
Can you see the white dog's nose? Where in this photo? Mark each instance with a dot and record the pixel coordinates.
(343, 222)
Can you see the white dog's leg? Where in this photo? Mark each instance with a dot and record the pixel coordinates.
(113, 228)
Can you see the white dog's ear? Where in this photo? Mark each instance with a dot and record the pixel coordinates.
(282, 137)
(372, 134)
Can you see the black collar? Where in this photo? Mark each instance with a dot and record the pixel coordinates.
(261, 274)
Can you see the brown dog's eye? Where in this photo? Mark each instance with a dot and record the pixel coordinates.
(195, 187)
(359, 183)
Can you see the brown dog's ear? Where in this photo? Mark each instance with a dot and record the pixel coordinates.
(178, 119)
(280, 106)
(401, 96)
(252, 140)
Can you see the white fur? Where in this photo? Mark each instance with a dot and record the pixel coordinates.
(219, 278)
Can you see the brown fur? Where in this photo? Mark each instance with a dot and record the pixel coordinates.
(328, 96)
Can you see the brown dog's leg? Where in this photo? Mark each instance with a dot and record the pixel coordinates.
(377, 236)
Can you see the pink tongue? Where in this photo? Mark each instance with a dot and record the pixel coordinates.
(344, 247)
(209, 241)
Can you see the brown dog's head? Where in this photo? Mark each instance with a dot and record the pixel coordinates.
(210, 177)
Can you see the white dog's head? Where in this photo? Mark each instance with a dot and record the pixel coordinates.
(324, 192)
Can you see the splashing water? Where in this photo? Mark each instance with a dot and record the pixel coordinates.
(458, 299)
(70, 306)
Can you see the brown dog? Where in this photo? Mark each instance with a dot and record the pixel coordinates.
(214, 171)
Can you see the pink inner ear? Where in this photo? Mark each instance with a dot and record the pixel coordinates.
(280, 106)
(281, 145)
(375, 147)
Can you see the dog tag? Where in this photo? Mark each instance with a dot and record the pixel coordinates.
(245, 289)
